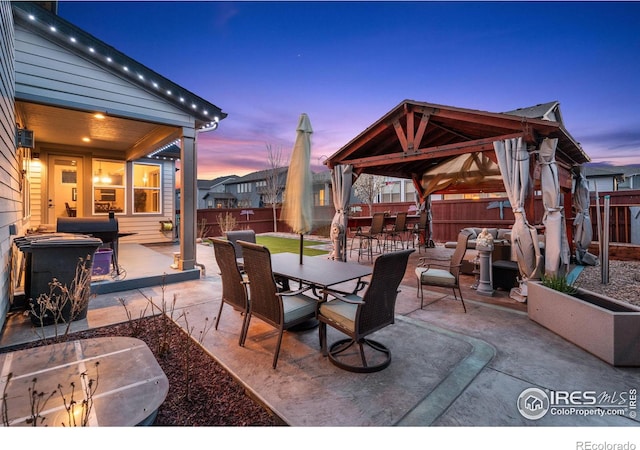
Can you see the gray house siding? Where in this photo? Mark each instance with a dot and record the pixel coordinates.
(47, 73)
(10, 197)
(213, 192)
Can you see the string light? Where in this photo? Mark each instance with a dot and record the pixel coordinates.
(61, 27)
(163, 148)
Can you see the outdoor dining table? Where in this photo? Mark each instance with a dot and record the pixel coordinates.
(318, 272)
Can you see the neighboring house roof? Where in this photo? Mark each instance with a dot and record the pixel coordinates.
(593, 171)
(318, 177)
(220, 195)
(322, 177)
(632, 170)
(544, 111)
(256, 176)
(208, 184)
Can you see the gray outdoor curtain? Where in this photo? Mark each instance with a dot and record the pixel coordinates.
(428, 211)
(583, 231)
(513, 160)
(556, 255)
(341, 177)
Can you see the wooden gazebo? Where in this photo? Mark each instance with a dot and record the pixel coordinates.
(447, 149)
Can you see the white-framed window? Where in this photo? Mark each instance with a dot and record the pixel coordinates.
(244, 188)
(147, 188)
(109, 183)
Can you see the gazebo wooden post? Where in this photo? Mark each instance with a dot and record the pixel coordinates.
(530, 200)
(568, 217)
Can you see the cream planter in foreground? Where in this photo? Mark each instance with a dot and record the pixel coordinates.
(603, 326)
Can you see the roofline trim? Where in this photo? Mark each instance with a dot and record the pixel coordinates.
(68, 35)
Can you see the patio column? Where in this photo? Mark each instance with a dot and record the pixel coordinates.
(188, 196)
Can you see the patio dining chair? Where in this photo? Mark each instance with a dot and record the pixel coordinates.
(234, 284)
(281, 310)
(367, 238)
(396, 235)
(420, 233)
(360, 316)
(240, 235)
(71, 212)
(442, 273)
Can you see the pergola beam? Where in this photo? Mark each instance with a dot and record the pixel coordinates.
(441, 151)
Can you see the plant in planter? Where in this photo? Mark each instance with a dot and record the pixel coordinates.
(560, 284)
(64, 303)
(601, 325)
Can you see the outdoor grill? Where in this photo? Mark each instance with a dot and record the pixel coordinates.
(105, 229)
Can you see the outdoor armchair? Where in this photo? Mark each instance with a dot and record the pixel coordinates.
(443, 273)
(281, 310)
(360, 316)
(234, 285)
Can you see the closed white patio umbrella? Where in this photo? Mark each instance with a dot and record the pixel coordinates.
(297, 207)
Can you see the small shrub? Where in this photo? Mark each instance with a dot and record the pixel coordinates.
(203, 229)
(226, 222)
(63, 303)
(560, 284)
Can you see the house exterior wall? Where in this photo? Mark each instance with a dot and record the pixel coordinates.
(250, 190)
(10, 196)
(602, 184)
(147, 227)
(47, 72)
(630, 182)
(202, 202)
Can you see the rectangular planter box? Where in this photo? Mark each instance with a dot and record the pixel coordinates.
(603, 326)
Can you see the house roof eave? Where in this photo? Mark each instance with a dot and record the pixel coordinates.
(206, 115)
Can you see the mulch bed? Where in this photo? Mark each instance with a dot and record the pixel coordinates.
(201, 391)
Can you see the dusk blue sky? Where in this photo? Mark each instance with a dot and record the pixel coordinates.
(346, 64)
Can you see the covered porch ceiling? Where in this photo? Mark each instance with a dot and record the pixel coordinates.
(417, 137)
(128, 138)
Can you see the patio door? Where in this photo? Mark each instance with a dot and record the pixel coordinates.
(64, 187)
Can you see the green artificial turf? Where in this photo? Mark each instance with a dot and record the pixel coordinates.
(277, 244)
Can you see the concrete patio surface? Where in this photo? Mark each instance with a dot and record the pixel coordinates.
(448, 369)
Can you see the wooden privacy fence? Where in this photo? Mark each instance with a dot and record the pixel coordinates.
(259, 219)
(449, 216)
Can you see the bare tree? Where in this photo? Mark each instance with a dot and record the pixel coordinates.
(273, 188)
(367, 187)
